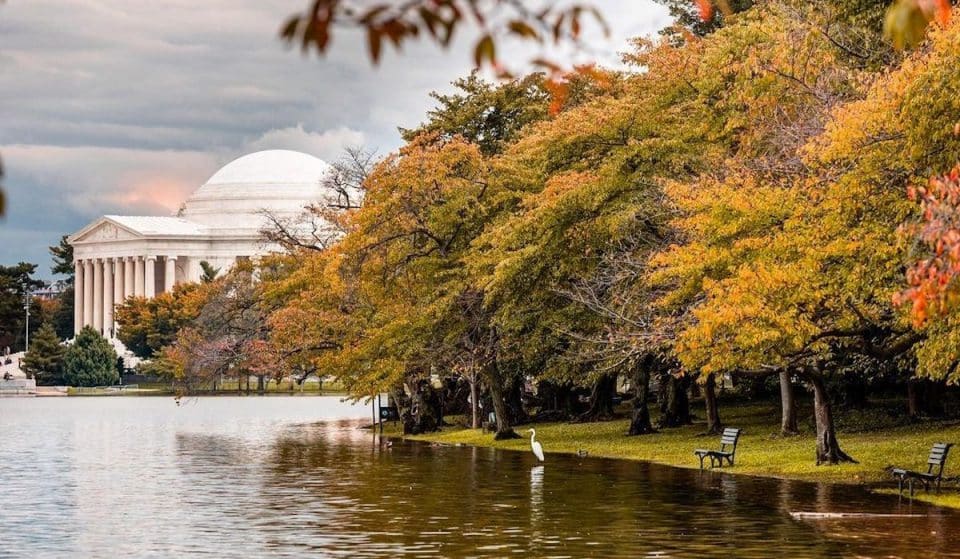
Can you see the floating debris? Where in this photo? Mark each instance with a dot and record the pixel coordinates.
(833, 515)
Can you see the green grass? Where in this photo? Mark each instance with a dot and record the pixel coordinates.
(228, 388)
(762, 451)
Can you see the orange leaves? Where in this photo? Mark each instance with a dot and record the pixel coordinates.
(907, 20)
(932, 279)
(706, 9)
(400, 22)
(558, 85)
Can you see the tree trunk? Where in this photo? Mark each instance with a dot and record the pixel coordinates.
(514, 401)
(828, 447)
(924, 398)
(640, 422)
(494, 382)
(474, 404)
(674, 403)
(421, 414)
(913, 398)
(261, 385)
(558, 402)
(788, 407)
(601, 399)
(714, 425)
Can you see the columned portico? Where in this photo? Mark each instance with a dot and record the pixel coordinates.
(117, 257)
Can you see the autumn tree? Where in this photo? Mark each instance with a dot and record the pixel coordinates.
(147, 325)
(225, 334)
(794, 272)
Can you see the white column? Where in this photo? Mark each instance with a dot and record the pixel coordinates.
(150, 278)
(108, 297)
(77, 296)
(193, 270)
(127, 277)
(118, 281)
(87, 293)
(170, 273)
(98, 296)
(138, 276)
(117, 288)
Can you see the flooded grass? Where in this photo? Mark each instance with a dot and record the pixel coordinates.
(762, 451)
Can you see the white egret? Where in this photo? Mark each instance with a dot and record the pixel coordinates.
(535, 446)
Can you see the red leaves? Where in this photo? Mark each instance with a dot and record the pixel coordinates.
(931, 280)
(706, 9)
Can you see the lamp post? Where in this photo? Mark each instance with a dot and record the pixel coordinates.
(26, 308)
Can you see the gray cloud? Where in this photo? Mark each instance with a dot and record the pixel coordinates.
(126, 106)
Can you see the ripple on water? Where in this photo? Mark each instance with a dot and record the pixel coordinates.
(248, 477)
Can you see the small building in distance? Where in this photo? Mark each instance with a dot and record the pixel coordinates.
(52, 290)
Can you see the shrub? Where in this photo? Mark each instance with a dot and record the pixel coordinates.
(90, 361)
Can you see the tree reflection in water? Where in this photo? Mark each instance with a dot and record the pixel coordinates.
(236, 477)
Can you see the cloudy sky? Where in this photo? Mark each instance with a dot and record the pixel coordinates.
(126, 106)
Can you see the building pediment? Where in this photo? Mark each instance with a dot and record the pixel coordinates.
(104, 229)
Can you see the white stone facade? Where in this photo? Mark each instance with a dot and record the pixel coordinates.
(117, 257)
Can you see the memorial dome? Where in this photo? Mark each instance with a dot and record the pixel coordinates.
(281, 182)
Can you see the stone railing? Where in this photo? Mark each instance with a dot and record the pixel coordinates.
(18, 387)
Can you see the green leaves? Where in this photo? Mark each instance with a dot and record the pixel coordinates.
(90, 361)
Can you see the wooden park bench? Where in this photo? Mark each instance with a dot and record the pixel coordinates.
(728, 449)
(933, 475)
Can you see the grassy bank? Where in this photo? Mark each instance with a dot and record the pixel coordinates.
(228, 388)
(761, 451)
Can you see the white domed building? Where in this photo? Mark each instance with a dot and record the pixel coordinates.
(116, 256)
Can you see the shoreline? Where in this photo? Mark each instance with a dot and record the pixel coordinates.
(158, 392)
(759, 454)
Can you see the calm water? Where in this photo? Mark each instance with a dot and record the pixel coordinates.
(250, 477)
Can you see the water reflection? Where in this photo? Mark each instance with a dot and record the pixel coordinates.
(254, 477)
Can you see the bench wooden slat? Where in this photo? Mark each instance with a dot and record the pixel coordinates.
(727, 451)
(936, 462)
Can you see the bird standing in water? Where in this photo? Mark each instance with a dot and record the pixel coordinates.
(535, 445)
